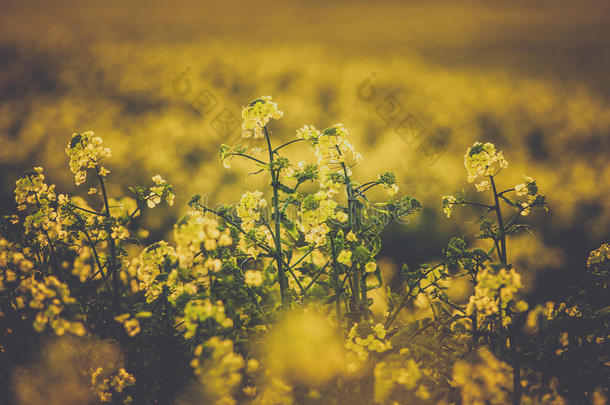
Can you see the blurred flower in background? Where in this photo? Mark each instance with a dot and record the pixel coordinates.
(163, 87)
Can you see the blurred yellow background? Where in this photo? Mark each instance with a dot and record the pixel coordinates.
(164, 82)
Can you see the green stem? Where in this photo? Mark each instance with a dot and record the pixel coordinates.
(112, 268)
(405, 299)
(512, 338)
(476, 204)
(475, 332)
(359, 294)
(86, 210)
(361, 192)
(51, 246)
(365, 184)
(287, 143)
(93, 249)
(250, 157)
(264, 246)
(315, 277)
(302, 258)
(500, 223)
(336, 280)
(133, 213)
(276, 217)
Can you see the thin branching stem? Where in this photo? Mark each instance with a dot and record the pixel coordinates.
(476, 204)
(112, 267)
(335, 275)
(250, 157)
(276, 218)
(512, 338)
(405, 299)
(286, 144)
(101, 214)
(500, 223)
(51, 246)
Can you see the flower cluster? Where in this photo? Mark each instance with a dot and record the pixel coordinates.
(363, 339)
(495, 292)
(86, 151)
(448, 203)
(345, 257)
(161, 190)
(248, 209)
(331, 148)
(253, 278)
(130, 323)
(43, 218)
(251, 244)
(155, 259)
(599, 257)
(302, 172)
(157, 269)
(316, 210)
(31, 190)
(397, 373)
(218, 369)
(481, 161)
(227, 153)
(195, 233)
(86, 259)
(547, 312)
(388, 180)
(198, 311)
(104, 384)
(529, 189)
(50, 297)
(308, 133)
(13, 264)
(486, 381)
(598, 264)
(256, 116)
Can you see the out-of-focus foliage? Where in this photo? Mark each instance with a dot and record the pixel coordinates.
(561, 133)
(72, 371)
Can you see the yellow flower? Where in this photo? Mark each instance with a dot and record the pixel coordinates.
(495, 292)
(253, 278)
(448, 202)
(86, 151)
(331, 148)
(487, 381)
(256, 116)
(315, 210)
(160, 190)
(132, 326)
(345, 257)
(482, 161)
(341, 216)
(308, 132)
(249, 207)
(528, 187)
